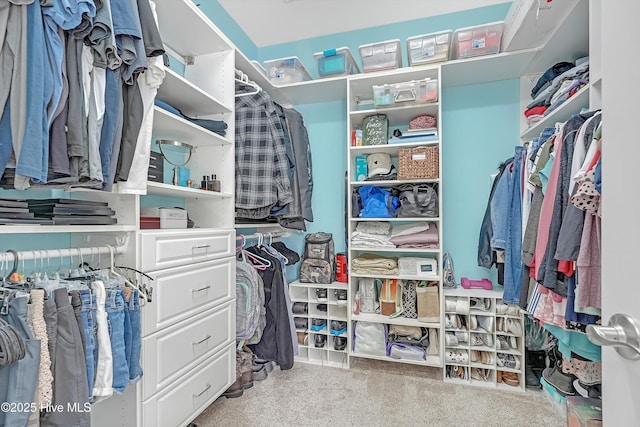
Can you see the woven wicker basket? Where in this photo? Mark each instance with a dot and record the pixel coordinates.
(418, 162)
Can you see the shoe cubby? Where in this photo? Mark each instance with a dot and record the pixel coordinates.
(324, 304)
(490, 332)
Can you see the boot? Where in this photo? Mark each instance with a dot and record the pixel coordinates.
(247, 357)
(236, 389)
(428, 304)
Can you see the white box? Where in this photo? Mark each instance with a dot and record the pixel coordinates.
(530, 23)
(169, 217)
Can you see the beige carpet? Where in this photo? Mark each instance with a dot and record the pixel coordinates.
(375, 393)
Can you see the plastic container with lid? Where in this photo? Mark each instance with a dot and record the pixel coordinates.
(428, 48)
(379, 56)
(479, 40)
(336, 62)
(409, 93)
(286, 70)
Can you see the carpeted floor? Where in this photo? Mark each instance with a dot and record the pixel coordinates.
(374, 393)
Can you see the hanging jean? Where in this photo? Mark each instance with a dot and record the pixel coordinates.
(88, 319)
(506, 218)
(114, 306)
(18, 381)
(70, 373)
(132, 333)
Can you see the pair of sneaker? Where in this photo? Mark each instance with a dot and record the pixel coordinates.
(459, 356)
(512, 326)
(504, 342)
(481, 339)
(484, 323)
(338, 327)
(508, 361)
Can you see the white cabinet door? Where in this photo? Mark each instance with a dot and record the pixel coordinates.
(620, 229)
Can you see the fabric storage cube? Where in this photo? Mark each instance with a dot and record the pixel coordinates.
(479, 40)
(428, 48)
(379, 56)
(418, 163)
(336, 62)
(286, 70)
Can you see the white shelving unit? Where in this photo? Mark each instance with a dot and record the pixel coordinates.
(359, 92)
(327, 354)
(493, 338)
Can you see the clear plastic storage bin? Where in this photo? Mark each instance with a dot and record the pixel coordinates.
(479, 40)
(336, 62)
(428, 48)
(379, 56)
(412, 92)
(286, 70)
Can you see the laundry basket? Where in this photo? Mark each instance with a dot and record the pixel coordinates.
(418, 162)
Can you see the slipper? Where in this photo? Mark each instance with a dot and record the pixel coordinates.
(514, 327)
(475, 374)
(462, 336)
(482, 304)
(488, 340)
(476, 340)
(462, 306)
(486, 323)
(450, 339)
(514, 342)
(473, 322)
(511, 378)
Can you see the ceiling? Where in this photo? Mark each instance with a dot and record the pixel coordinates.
(269, 22)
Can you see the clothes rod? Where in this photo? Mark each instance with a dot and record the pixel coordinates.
(38, 254)
(258, 235)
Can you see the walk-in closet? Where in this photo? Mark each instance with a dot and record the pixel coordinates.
(294, 212)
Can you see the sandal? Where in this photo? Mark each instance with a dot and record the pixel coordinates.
(511, 378)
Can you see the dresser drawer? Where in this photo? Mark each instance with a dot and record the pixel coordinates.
(165, 249)
(181, 292)
(166, 356)
(187, 398)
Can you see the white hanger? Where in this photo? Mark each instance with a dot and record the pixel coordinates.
(242, 78)
(112, 270)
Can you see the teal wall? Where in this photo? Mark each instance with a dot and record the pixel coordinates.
(304, 49)
(228, 26)
(480, 127)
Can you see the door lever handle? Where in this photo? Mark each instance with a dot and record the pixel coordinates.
(623, 333)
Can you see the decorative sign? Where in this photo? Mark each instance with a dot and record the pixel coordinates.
(375, 130)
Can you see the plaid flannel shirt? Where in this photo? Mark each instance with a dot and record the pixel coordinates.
(261, 158)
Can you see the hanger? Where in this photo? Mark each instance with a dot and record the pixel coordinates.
(112, 270)
(243, 79)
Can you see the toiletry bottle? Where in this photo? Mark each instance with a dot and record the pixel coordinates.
(204, 182)
(213, 184)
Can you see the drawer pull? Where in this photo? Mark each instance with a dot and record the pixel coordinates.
(202, 340)
(195, 396)
(201, 289)
(202, 247)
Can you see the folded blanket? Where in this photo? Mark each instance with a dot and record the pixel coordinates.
(359, 239)
(403, 230)
(370, 263)
(428, 237)
(374, 227)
